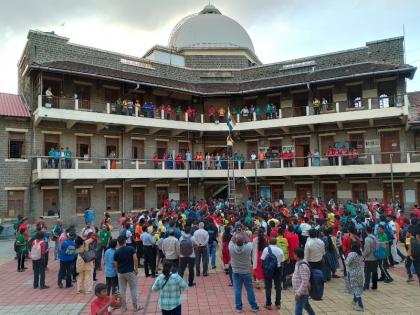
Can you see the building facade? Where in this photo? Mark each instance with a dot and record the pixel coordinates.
(129, 161)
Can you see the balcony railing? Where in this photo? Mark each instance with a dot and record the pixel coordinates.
(198, 117)
(80, 163)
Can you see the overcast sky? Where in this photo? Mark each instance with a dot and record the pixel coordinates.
(280, 29)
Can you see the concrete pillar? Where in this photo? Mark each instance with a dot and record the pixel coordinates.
(137, 164)
(162, 114)
(39, 164)
(39, 101)
(280, 113)
(202, 118)
(337, 107)
(108, 108)
(76, 164)
(369, 103)
(254, 116)
(76, 104)
(340, 160)
(136, 111)
(408, 157)
(108, 164)
(281, 163)
(307, 111)
(186, 117)
(238, 118)
(372, 159)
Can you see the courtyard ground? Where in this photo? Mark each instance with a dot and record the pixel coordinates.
(212, 295)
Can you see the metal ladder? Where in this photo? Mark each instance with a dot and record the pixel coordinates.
(231, 181)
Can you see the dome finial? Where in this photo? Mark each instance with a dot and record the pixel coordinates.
(210, 9)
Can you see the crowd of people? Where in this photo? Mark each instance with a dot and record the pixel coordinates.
(300, 245)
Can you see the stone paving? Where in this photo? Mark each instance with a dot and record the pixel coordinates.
(212, 295)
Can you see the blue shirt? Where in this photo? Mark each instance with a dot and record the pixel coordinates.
(90, 216)
(109, 263)
(147, 239)
(68, 250)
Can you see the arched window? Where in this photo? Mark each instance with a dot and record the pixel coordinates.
(357, 102)
(383, 101)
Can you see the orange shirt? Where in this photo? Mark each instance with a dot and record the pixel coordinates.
(137, 233)
(261, 156)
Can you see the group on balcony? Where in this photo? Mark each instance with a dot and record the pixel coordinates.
(57, 154)
(348, 156)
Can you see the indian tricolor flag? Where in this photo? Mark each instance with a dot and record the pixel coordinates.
(230, 120)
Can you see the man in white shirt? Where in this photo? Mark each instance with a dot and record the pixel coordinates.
(170, 248)
(305, 227)
(275, 276)
(314, 250)
(201, 236)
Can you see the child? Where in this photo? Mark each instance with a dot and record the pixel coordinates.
(110, 273)
(104, 304)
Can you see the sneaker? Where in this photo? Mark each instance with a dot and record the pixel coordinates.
(239, 311)
(410, 279)
(44, 287)
(278, 306)
(255, 310)
(213, 267)
(268, 307)
(191, 284)
(137, 308)
(60, 285)
(358, 308)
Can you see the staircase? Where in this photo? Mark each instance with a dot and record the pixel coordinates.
(231, 182)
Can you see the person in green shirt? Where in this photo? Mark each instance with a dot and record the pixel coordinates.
(268, 111)
(178, 112)
(104, 235)
(118, 106)
(68, 157)
(21, 247)
(383, 266)
(350, 207)
(258, 112)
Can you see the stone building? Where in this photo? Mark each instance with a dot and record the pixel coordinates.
(364, 107)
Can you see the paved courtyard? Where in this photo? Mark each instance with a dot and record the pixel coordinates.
(212, 295)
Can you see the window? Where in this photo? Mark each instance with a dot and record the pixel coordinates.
(330, 191)
(138, 198)
(83, 95)
(386, 93)
(83, 147)
(111, 95)
(162, 194)
(82, 199)
(326, 99)
(357, 141)
(51, 141)
(359, 192)
(251, 147)
(112, 147)
(417, 140)
(50, 202)
(275, 146)
(251, 191)
(183, 193)
(354, 96)
(15, 202)
(326, 142)
(113, 198)
(275, 100)
(161, 148)
(16, 145)
(137, 149)
(277, 192)
(183, 147)
(300, 102)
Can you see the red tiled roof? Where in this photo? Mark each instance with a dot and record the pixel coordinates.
(12, 105)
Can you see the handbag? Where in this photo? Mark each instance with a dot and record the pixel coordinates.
(88, 255)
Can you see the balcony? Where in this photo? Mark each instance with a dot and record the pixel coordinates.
(45, 168)
(73, 111)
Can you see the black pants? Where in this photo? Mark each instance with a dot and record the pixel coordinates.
(21, 261)
(371, 271)
(268, 280)
(174, 263)
(39, 272)
(384, 270)
(183, 263)
(46, 258)
(331, 160)
(65, 272)
(111, 285)
(149, 260)
(68, 163)
(316, 264)
(175, 311)
(139, 250)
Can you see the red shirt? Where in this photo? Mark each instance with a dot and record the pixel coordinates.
(293, 242)
(416, 212)
(347, 245)
(97, 305)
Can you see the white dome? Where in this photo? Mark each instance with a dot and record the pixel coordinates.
(209, 29)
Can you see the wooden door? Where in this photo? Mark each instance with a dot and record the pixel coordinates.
(162, 194)
(50, 201)
(398, 193)
(390, 142)
(161, 148)
(330, 191)
(277, 192)
(303, 191)
(301, 151)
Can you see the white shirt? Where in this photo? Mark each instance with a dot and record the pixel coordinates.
(201, 236)
(305, 227)
(253, 156)
(128, 236)
(277, 251)
(314, 249)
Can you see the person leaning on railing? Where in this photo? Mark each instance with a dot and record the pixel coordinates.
(316, 103)
(178, 112)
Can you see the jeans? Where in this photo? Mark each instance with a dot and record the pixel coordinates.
(212, 253)
(56, 250)
(175, 311)
(65, 272)
(268, 280)
(371, 269)
(129, 278)
(303, 303)
(21, 261)
(183, 263)
(39, 272)
(111, 285)
(239, 280)
(201, 255)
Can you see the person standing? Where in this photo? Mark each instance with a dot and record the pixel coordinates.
(213, 236)
(104, 236)
(301, 283)
(240, 250)
(84, 268)
(170, 284)
(111, 276)
(354, 263)
(21, 247)
(314, 250)
(56, 232)
(67, 256)
(187, 255)
(38, 261)
(371, 262)
(414, 250)
(384, 246)
(126, 264)
(274, 273)
(149, 254)
(170, 248)
(201, 236)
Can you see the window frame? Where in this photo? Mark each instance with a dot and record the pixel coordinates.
(78, 201)
(138, 203)
(14, 201)
(352, 140)
(357, 189)
(137, 144)
(108, 197)
(20, 139)
(87, 143)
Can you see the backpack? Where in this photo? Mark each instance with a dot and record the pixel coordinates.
(380, 250)
(186, 246)
(71, 250)
(389, 232)
(36, 250)
(269, 263)
(316, 280)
